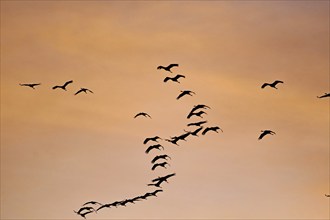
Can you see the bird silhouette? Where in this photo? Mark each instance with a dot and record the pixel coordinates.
(32, 85)
(174, 79)
(156, 184)
(199, 114)
(142, 114)
(84, 214)
(151, 139)
(197, 123)
(64, 86)
(265, 132)
(173, 141)
(160, 165)
(164, 178)
(158, 157)
(273, 85)
(154, 193)
(83, 209)
(92, 202)
(183, 136)
(211, 129)
(167, 68)
(83, 90)
(199, 106)
(157, 146)
(324, 96)
(185, 92)
(195, 133)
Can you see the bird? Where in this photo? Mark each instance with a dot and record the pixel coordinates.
(83, 90)
(84, 208)
(199, 106)
(157, 146)
(173, 141)
(324, 96)
(92, 202)
(84, 214)
(156, 184)
(265, 132)
(327, 195)
(174, 79)
(211, 129)
(185, 92)
(32, 85)
(142, 114)
(183, 136)
(154, 193)
(158, 157)
(271, 84)
(194, 133)
(160, 164)
(197, 123)
(151, 139)
(64, 86)
(163, 178)
(167, 68)
(199, 114)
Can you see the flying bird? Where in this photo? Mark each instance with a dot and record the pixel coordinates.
(271, 84)
(84, 214)
(157, 146)
(83, 90)
(174, 79)
(93, 203)
(142, 114)
(185, 92)
(197, 123)
(160, 165)
(199, 114)
(158, 157)
(64, 86)
(167, 68)
(324, 96)
(32, 85)
(211, 129)
(173, 141)
(154, 193)
(83, 209)
(151, 139)
(195, 133)
(265, 132)
(163, 178)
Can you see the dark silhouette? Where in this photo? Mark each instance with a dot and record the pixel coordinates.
(324, 96)
(124, 202)
(183, 136)
(174, 79)
(271, 84)
(83, 90)
(199, 114)
(142, 114)
(158, 157)
(173, 141)
(83, 209)
(154, 193)
(32, 85)
(197, 123)
(141, 197)
(108, 205)
(185, 92)
(327, 195)
(211, 129)
(64, 86)
(160, 165)
(156, 184)
(265, 132)
(84, 214)
(199, 106)
(163, 178)
(93, 203)
(151, 139)
(167, 68)
(157, 146)
(195, 133)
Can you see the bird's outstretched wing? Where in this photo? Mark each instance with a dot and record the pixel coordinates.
(205, 130)
(78, 92)
(89, 90)
(179, 76)
(55, 87)
(180, 95)
(277, 81)
(167, 79)
(264, 85)
(172, 65)
(67, 83)
(262, 135)
(160, 67)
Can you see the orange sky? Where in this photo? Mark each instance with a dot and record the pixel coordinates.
(59, 150)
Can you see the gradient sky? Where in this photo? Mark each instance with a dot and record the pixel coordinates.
(59, 150)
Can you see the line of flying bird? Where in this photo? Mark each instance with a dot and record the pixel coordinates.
(63, 87)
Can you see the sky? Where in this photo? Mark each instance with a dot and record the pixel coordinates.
(59, 151)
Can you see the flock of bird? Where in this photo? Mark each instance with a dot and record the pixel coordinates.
(32, 85)
(161, 160)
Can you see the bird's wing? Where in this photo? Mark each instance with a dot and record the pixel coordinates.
(278, 81)
(55, 87)
(89, 90)
(205, 130)
(78, 92)
(67, 83)
(180, 95)
(149, 149)
(167, 78)
(179, 76)
(154, 166)
(138, 114)
(146, 140)
(155, 159)
(262, 135)
(160, 67)
(35, 84)
(264, 85)
(172, 65)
